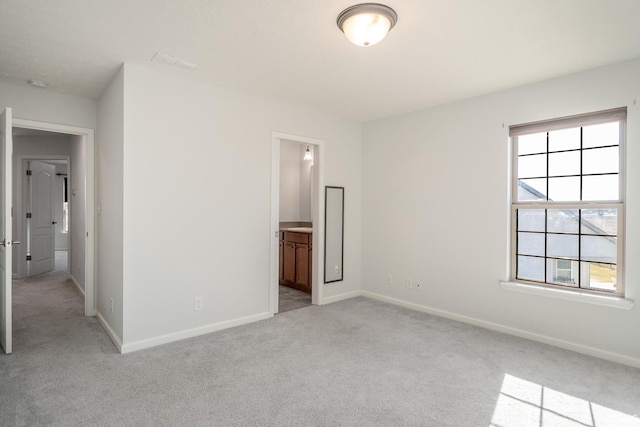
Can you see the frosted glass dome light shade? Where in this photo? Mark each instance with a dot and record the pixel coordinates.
(367, 24)
(307, 154)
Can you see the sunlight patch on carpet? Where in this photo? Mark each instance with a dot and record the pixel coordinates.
(523, 403)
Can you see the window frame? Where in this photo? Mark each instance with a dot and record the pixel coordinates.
(600, 117)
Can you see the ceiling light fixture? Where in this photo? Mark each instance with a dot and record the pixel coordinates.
(37, 83)
(367, 24)
(307, 154)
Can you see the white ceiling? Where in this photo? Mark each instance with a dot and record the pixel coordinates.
(292, 50)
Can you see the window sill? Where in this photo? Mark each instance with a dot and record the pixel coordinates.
(571, 295)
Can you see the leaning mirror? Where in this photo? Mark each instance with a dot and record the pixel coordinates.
(333, 233)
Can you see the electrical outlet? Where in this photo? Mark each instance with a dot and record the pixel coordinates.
(409, 283)
(111, 304)
(198, 303)
(390, 279)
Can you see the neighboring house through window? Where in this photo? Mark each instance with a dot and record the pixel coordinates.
(563, 271)
(567, 202)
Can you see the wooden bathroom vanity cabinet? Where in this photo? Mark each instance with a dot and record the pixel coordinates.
(295, 259)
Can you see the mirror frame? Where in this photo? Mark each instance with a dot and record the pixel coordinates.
(329, 227)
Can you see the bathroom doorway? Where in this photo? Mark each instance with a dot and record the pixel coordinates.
(296, 222)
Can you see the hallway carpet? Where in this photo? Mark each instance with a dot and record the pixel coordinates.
(358, 362)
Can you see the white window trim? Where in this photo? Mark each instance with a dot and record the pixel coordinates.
(568, 294)
(617, 299)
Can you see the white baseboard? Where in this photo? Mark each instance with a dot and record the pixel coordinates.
(190, 333)
(75, 282)
(567, 345)
(340, 297)
(112, 334)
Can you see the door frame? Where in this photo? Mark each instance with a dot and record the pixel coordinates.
(90, 190)
(317, 218)
(6, 290)
(20, 208)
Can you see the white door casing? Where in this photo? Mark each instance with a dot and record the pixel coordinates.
(6, 146)
(42, 229)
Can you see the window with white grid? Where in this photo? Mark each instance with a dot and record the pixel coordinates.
(567, 202)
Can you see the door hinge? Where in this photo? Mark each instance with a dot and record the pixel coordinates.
(28, 214)
(28, 257)
(28, 172)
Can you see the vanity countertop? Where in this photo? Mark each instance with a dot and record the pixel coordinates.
(307, 230)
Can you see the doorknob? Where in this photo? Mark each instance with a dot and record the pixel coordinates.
(54, 222)
(6, 242)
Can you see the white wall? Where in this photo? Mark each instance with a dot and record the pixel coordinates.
(77, 198)
(47, 145)
(44, 105)
(306, 214)
(197, 201)
(295, 182)
(446, 170)
(289, 181)
(110, 252)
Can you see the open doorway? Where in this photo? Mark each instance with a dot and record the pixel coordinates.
(296, 225)
(48, 183)
(69, 151)
(52, 254)
(296, 222)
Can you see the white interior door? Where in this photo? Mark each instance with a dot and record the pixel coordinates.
(42, 223)
(6, 146)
